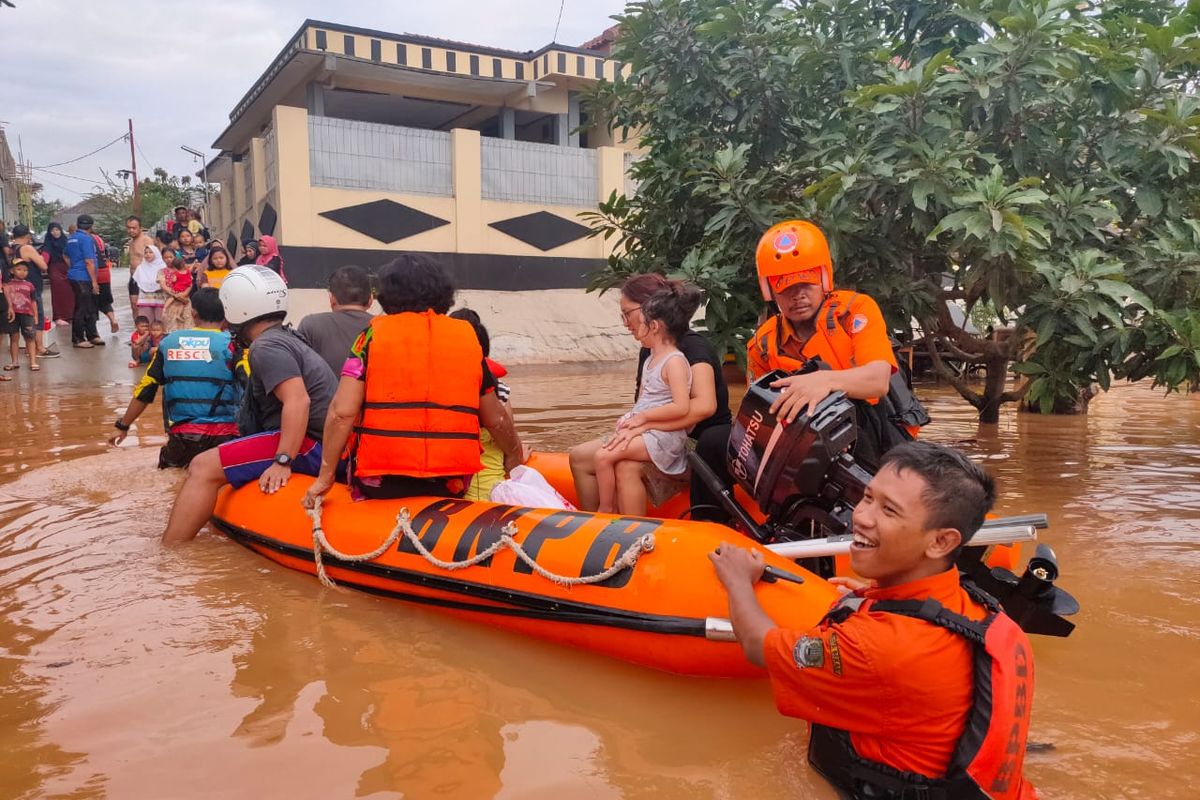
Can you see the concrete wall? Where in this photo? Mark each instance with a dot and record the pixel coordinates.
(533, 327)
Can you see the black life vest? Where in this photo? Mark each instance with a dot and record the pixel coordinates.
(988, 759)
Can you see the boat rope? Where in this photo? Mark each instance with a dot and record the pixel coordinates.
(321, 546)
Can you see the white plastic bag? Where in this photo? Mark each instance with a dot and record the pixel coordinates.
(528, 487)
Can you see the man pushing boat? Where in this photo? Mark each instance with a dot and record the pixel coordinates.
(915, 684)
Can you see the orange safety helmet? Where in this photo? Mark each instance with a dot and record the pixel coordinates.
(793, 247)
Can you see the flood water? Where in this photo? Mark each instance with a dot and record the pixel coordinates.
(130, 671)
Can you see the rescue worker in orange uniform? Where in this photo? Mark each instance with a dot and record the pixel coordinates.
(844, 330)
(915, 684)
(414, 391)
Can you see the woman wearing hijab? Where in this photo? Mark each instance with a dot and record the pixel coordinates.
(54, 253)
(249, 253)
(268, 255)
(151, 297)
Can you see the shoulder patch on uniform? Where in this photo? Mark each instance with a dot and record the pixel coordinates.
(858, 323)
(835, 654)
(809, 652)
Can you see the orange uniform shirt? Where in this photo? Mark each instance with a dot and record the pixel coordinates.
(900, 686)
(863, 321)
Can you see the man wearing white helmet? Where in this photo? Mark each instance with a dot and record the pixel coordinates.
(282, 416)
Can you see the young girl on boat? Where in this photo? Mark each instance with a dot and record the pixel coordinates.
(663, 396)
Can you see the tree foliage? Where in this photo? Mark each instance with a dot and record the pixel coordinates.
(159, 195)
(1037, 158)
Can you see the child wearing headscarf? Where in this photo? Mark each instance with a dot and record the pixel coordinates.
(151, 296)
(268, 255)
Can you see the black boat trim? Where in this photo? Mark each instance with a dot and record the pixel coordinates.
(523, 604)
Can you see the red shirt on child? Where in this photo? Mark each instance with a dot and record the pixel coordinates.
(20, 296)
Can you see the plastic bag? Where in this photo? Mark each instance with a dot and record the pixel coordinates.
(528, 487)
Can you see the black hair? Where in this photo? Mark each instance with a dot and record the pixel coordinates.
(134, 218)
(414, 282)
(350, 286)
(481, 332)
(207, 306)
(673, 306)
(140, 318)
(958, 493)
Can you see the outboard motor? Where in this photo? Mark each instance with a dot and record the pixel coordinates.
(801, 474)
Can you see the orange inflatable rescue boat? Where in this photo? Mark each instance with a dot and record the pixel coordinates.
(665, 610)
(641, 589)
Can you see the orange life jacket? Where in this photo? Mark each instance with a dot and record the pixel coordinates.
(830, 340)
(988, 759)
(420, 416)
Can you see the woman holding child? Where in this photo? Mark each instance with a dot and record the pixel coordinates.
(647, 444)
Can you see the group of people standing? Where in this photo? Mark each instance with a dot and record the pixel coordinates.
(166, 270)
(897, 680)
(78, 267)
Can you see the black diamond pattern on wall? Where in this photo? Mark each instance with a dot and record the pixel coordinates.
(231, 244)
(267, 219)
(543, 230)
(247, 230)
(385, 220)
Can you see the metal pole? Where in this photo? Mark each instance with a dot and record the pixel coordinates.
(137, 194)
(840, 545)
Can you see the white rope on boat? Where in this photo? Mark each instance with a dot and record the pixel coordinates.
(321, 545)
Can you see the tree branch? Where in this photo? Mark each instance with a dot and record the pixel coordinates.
(960, 385)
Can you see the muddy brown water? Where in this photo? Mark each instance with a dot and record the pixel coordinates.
(130, 671)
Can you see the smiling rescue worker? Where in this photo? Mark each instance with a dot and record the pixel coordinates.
(916, 685)
(844, 330)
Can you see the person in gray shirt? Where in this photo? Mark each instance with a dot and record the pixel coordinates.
(332, 332)
(284, 408)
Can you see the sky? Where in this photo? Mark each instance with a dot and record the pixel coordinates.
(178, 68)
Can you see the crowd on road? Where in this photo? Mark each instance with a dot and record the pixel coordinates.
(408, 402)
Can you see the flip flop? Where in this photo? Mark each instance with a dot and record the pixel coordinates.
(83, 344)
(11, 367)
(35, 368)
(5, 378)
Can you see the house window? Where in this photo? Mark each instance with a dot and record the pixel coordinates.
(401, 54)
(376, 50)
(348, 45)
(322, 42)
(535, 70)
(546, 63)
(474, 65)
(600, 68)
(497, 68)
(562, 63)
(579, 68)
(426, 58)
(451, 62)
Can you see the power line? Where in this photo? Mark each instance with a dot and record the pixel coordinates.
(142, 153)
(64, 175)
(85, 155)
(561, 3)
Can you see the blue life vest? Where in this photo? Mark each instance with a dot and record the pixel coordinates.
(199, 385)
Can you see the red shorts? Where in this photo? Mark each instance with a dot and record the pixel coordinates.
(246, 459)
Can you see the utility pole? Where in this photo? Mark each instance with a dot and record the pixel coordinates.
(137, 193)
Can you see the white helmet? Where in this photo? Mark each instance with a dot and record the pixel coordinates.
(252, 291)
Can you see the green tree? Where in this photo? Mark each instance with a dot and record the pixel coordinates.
(1037, 158)
(159, 195)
